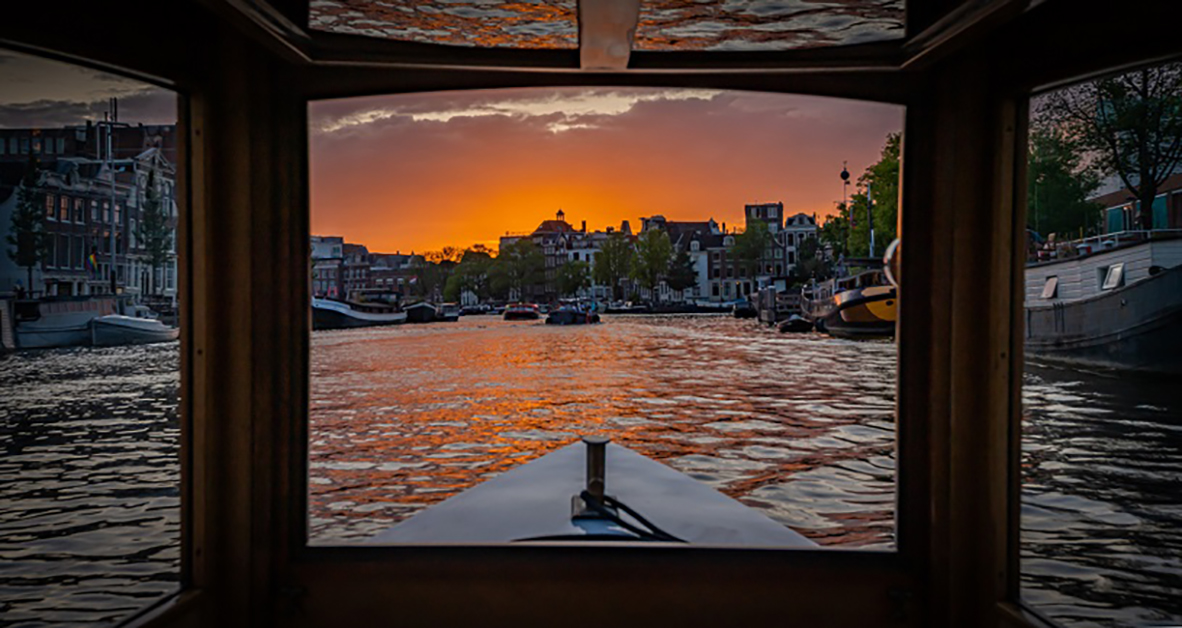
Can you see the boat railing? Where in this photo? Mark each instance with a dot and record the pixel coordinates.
(1052, 250)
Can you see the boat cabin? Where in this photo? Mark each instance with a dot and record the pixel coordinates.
(245, 72)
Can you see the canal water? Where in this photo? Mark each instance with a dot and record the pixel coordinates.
(799, 427)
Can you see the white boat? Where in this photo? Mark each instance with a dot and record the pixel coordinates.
(604, 492)
(116, 329)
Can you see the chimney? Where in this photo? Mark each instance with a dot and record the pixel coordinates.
(584, 226)
(724, 227)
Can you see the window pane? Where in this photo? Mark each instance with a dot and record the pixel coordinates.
(798, 428)
(1102, 514)
(89, 476)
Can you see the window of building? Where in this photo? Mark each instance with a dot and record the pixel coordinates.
(94, 213)
(63, 208)
(36, 146)
(79, 210)
(12, 145)
(50, 252)
(791, 257)
(61, 145)
(50, 207)
(107, 212)
(3, 144)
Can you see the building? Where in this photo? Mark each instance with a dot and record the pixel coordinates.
(94, 221)
(1120, 211)
(327, 261)
(797, 229)
(559, 243)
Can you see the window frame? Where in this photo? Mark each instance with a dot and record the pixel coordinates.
(238, 565)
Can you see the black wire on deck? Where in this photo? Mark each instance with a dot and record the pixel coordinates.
(653, 533)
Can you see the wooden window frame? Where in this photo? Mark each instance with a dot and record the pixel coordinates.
(247, 71)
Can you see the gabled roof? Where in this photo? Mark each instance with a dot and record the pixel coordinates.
(553, 226)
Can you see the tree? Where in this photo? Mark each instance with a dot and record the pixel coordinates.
(835, 232)
(519, 265)
(1131, 124)
(27, 230)
(155, 229)
(448, 255)
(613, 262)
(681, 275)
(471, 275)
(574, 276)
(651, 262)
(879, 185)
(810, 264)
(751, 247)
(1058, 184)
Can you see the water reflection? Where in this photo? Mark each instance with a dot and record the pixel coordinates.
(799, 426)
(1101, 515)
(89, 486)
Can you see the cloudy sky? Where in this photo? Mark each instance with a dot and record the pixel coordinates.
(417, 172)
(38, 93)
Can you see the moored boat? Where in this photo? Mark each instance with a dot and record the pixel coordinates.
(795, 323)
(521, 312)
(744, 309)
(628, 307)
(333, 314)
(600, 492)
(116, 329)
(448, 312)
(422, 312)
(571, 315)
(1118, 305)
(58, 321)
(855, 307)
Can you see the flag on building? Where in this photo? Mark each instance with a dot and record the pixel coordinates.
(92, 261)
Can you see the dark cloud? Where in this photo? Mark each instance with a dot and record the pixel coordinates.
(147, 107)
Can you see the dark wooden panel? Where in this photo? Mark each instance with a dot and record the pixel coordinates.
(164, 50)
(338, 82)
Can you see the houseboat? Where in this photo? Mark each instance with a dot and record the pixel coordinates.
(358, 312)
(422, 312)
(58, 321)
(1111, 301)
(78, 321)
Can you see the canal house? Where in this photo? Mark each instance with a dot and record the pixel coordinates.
(246, 70)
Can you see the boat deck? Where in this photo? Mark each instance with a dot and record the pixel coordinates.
(534, 500)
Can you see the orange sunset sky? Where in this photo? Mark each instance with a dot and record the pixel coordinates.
(418, 172)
